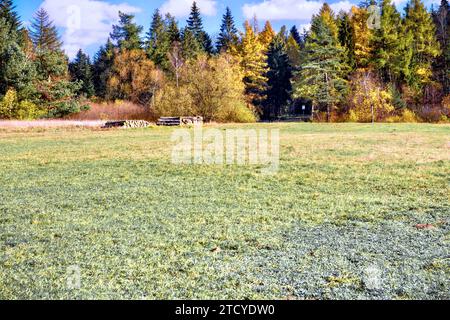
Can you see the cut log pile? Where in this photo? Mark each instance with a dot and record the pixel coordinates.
(179, 121)
(127, 124)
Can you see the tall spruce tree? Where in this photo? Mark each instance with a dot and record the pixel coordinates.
(390, 43)
(16, 69)
(296, 36)
(51, 62)
(158, 41)
(43, 32)
(173, 32)
(127, 33)
(279, 77)
(362, 36)
(81, 70)
(267, 35)
(191, 48)
(8, 12)
(102, 68)
(195, 27)
(321, 77)
(425, 47)
(228, 36)
(346, 39)
(441, 18)
(254, 64)
(55, 92)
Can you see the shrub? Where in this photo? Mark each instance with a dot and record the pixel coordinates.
(352, 117)
(114, 111)
(406, 116)
(236, 113)
(12, 108)
(208, 87)
(367, 97)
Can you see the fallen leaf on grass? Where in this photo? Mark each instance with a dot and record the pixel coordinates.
(424, 226)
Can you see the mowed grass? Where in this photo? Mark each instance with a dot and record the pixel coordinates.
(347, 199)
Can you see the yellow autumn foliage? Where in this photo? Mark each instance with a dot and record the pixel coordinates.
(368, 99)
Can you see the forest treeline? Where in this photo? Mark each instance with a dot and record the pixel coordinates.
(351, 66)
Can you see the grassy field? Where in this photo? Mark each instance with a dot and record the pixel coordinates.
(345, 205)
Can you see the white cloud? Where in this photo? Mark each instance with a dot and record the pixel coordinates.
(85, 22)
(181, 8)
(289, 9)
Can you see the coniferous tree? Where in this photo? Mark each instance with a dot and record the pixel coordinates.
(43, 33)
(424, 46)
(8, 12)
(441, 18)
(293, 52)
(26, 43)
(254, 64)
(362, 36)
(127, 32)
(279, 77)
(329, 19)
(228, 36)
(267, 35)
(158, 41)
(16, 69)
(321, 77)
(195, 22)
(102, 68)
(56, 92)
(346, 39)
(195, 27)
(389, 43)
(207, 44)
(173, 32)
(81, 70)
(191, 48)
(296, 36)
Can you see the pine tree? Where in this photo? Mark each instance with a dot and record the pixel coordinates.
(195, 22)
(254, 64)
(173, 32)
(191, 48)
(321, 77)
(102, 68)
(424, 45)
(228, 36)
(294, 52)
(81, 70)
(279, 77)
(207, 43)
(26, 43)
(195, 26)
(16, 70)
(328, 17)
(441, 18)
(43, 33)
(346, 39)
(389, 45)
(267, 35)
(127, 32)
(8, 12)
(158, 41)
(296, 36)
(361, 37)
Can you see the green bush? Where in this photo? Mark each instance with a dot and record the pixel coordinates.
(12, 108)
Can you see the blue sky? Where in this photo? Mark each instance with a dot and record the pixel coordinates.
(86, 23)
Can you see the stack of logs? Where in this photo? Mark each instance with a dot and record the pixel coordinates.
(127, 124)
(179, 121)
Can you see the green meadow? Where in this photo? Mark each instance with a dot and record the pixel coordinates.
(355, 211)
